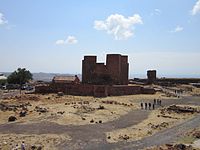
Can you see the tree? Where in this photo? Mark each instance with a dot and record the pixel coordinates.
(3, 81)
(20, 76)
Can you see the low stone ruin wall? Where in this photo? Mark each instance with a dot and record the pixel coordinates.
(124, 90)
(93, 90)
(80, 89)
(148, 91)
(44, 89)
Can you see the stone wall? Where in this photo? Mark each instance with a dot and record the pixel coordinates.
(124, 90)
(80, 90)
(44, 89)
(148, 91)
(94, 90)
(100, 91)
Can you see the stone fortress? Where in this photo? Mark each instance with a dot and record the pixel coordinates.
(115, 72)
(98, 79)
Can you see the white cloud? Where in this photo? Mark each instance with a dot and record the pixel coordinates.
(119, 26)
(156, 12)
(60, 42)
(196, 8)
(177, 29)
(2, 19)
(69, 40)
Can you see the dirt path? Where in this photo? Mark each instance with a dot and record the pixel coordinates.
(163, 137)
(81, 135)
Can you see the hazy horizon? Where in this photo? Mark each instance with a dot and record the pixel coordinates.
(50, 75)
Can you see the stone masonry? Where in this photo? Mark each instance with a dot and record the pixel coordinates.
(115, 72)
(151, 75)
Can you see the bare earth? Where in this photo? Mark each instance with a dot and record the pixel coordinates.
(155, 122)
(75, 122)
(75, 110)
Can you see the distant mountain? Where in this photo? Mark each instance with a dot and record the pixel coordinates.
(6, 73)
(41, 76)
(47, 77)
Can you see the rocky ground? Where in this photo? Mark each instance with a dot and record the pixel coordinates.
(75, 110)
(31, 142)
(173, 147)
(56, 121)
(189, 140)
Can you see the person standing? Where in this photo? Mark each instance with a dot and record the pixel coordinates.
(146, 106)
(141, 105)
(23, 146)
(149, 106)
(16, 147)
(154, 101)
(158, 102)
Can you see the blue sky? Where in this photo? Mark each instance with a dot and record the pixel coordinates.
(53, 36)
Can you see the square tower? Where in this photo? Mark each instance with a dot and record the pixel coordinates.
(88, 66)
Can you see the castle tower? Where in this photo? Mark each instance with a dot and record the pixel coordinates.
(113, 64)
(151, 76)
(117, 66)
(88, 66)
(124, 70)
(114, 72)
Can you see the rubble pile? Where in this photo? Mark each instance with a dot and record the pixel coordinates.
(166, 116)
(61, 112)
(26, 97)
(180, 109)
(40, 109)
(172, 147)
(116, 103)
(22, 113)
(12, 118)
(35, 147)
(197, 134)
(169, 94)
(124, 137)
(159, 126)
(101, 107)
(182, 147)
(81, 103)
(85, 109)
(23, 97)
(7, 107)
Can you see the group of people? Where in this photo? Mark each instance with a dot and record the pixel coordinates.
(21, 148)
(147, 105)
(150, 105)
(157, 102)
